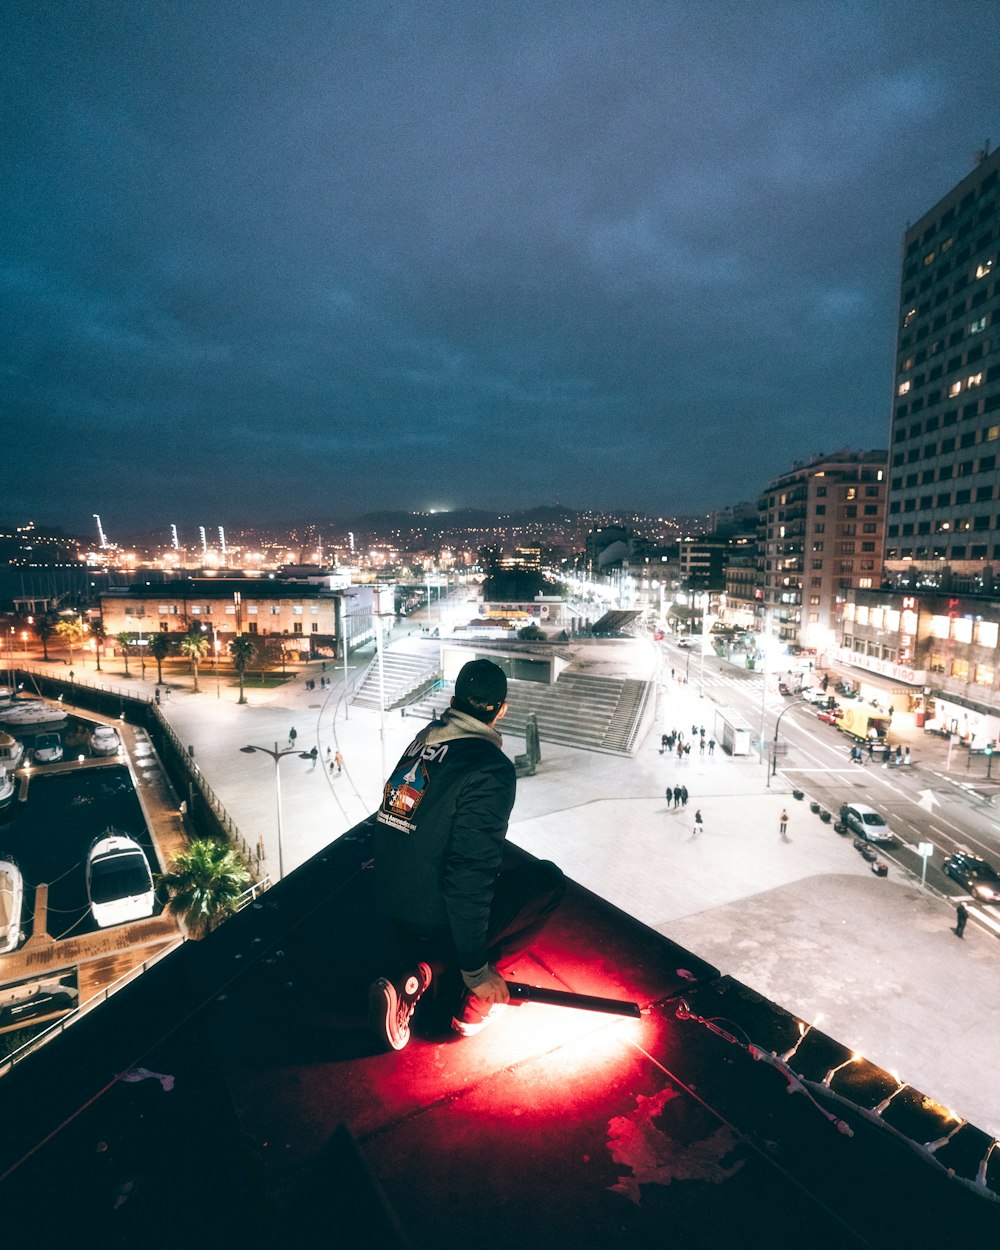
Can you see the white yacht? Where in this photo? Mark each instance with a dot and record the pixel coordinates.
(104, 740)
(8, 788)
(48, 749)
(11, 751)
(119, 883)
(32, 714)
(11, 902)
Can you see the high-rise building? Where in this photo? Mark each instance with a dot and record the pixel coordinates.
(820, 533)
(944, 474)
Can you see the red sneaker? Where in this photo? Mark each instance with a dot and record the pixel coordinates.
(475, 1014)
(391, 1004)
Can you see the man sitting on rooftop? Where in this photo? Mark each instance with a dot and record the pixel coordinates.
(451, 910)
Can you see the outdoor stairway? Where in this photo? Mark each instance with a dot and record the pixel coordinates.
(407, 672)
(580, 710)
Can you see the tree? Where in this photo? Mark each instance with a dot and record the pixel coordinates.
(531, 633)
(99, 636)
(159, 649)
(242, 650)
(126, 641)
(205, 883)
(72, 631)
(195, 647)
(44, 631)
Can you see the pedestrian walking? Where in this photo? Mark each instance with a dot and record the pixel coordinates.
(313, 755)
(701, 746)
(328, 753)
(899, 754)
(680, 748)
(677, 796)
(783, 824)
(698, 823)
(906, 756)
(871, 749)
(684, 796)
(711, 746)
(663, 743)
(292, 735)
(961, 919)
(338, 759)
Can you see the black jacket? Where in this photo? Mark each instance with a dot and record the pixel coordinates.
(440, 830)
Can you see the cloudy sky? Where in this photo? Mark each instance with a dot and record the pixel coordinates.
(288, 260)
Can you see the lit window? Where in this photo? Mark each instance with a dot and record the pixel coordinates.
(909, 317)
(904, 388)
(985, 268)
(954, 389)
(977, 326)
(993, 433)
(929, 258)
(908, 363)
(974, 379)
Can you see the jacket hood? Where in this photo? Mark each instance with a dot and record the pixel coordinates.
(453, 724)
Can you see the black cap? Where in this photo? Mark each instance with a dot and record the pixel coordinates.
(482, 685)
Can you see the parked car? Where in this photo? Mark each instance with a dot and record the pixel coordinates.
(684, 642)
(866, 822)
(119, 883)
(816, 694)
(827, 715)
(980, 878)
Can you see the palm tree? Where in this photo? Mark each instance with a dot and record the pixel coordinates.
(125, 640)
(159, 649)
(242, 650)
(99, 636)
(195, 647)
(205, 883)
(44, 631)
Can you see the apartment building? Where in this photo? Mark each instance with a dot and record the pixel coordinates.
(821, 531)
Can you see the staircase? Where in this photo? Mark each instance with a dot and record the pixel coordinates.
(408, 673)
(579, 710)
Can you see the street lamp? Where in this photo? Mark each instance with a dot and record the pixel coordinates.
(278, 756)
(774, 750)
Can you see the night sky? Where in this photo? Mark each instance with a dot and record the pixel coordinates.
(284, 261)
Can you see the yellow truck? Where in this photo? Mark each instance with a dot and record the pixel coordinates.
(859, 721)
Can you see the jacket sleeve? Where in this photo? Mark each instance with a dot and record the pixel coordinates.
(473, 857)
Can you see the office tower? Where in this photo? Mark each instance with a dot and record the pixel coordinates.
(944, 476)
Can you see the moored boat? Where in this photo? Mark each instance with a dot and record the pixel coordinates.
(48, 749)
(8, 788)
(119, 882)
(104, 740)
(32, 714)
(11, 902)
(11, 751)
